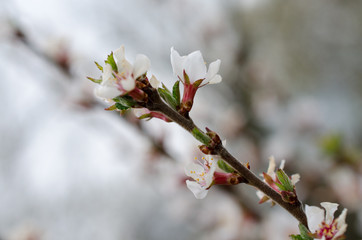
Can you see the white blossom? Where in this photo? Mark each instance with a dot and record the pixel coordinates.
(122, 81)
(203, 174)
(194, 66)
(322, 223)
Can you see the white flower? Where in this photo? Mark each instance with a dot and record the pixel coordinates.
(122, 81)
(322, 223)
(203, 174)
(195, 68)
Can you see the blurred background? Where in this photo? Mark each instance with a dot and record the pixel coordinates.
(292, 84)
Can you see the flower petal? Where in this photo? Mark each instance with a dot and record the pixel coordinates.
(196, 189)
(260, 194)
(154, 82)
(123, 65)
(107, 92)
(295, 178)
(315, 216)
(107, 74)
(330, 209)
(138, 112)
(119, 54)
(193, 169)
(213, 70)
(128, 84)
(271, 167)
(341, 231)
(282, 164)
(341, 220)
(177, 63)
(195, 66)
(216, 79)
(141, 65)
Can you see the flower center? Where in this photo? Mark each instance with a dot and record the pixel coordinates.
(200, 179)
(327, 230)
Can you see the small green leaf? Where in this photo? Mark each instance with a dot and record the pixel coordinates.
(125, 101)
(165, 88)
(111, 108)
(176, 92)
(197, 83)
(202, 137)
(304, 232)
(284, 180)
(224, 166)
(280, 186)
(296, 237)
(120, 106)
(186, 78)
(166, 95)
(147, 115)
(110, 61)
(98, 81)
(99, 66)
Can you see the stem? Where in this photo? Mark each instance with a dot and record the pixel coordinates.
(156, 104)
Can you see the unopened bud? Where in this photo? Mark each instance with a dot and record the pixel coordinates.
(289, 197)
(214, 137)
(207, 150)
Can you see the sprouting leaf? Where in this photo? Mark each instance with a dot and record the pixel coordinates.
(281, 186)
(304, 232)
(125, 101)
(166, 95)
(144, 116)
(284, 180)
(197, 83)
(110, 61)
(202, 137)
(296, 237)
(120, 106)
(111, 108)
(176, 92)
(186, 78)
(98, 81)
(99, 66)
(224, 166)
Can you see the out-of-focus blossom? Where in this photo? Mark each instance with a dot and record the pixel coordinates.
(322, 223)
(120, 77)
(192, 72)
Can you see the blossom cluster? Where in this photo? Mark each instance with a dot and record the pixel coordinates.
(125, 85)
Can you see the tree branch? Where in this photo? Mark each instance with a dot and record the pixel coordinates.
(155, 103)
